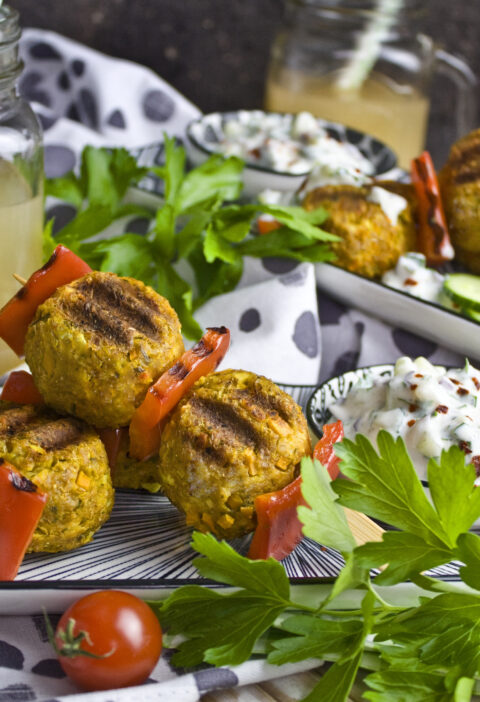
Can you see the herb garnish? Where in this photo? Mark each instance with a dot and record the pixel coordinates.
(197, 225)
(429, 650)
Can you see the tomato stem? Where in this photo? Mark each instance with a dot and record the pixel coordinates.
(71, 643)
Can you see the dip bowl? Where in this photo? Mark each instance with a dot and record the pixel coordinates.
(205, 134)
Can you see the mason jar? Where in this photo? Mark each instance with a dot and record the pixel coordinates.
(362, 63)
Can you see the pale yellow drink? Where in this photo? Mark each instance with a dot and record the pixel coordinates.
(21, 217)
(394, 115)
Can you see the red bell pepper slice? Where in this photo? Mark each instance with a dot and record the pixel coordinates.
(20, 388)
(266, 224)
(167, 391)
(433, 237)
(112, 440)
(21, 506)
(62, 267)
(279, 529)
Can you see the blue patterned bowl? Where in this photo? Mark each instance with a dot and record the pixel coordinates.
(202, 140)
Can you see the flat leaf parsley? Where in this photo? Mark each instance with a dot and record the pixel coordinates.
(197, 228)
(427, 649)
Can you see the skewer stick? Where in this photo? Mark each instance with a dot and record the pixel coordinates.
(362, 527)
(19, 278)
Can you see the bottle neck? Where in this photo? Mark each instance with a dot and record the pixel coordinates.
(11, 65)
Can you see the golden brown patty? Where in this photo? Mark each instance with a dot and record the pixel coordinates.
(135, 475)
(66, 459)
(97, 344)
(370, 244)
(233, 437)
(460, 186)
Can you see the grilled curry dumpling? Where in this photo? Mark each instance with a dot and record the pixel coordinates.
(66, 459)
(98, 343)
(234, 436)
(370, 243)
(460, 187)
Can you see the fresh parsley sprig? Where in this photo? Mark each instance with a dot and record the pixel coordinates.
(195, 228)
(425, 649)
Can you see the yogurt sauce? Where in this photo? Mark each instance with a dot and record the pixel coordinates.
(430, 407)
(285, 143)
(412, 276)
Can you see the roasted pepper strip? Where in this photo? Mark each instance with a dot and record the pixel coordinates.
(279, 529)
(20, 388)
(267, 224)
(62, 267)
(21, 506)
(167, 391)
(433, 237)
(112, 440)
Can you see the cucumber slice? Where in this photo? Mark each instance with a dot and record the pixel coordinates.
(473, 314)
(464, 289)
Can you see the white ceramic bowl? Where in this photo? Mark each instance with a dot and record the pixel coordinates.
(202, 137)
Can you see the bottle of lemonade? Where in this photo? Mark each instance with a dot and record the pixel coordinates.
(21, 175)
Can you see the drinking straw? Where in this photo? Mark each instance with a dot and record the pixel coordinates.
(368, 45)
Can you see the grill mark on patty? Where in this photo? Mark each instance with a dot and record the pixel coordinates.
(326, 195)
(466, 176)
(233, 428)
(268, 403)
(113, 308)
(200, 445)
(15, 420)
(464, 153)
(54, 435)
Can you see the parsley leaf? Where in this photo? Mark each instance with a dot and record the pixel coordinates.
(452, 486)
(324, 520)
(196, 223)
(223, 629)
(385, 486)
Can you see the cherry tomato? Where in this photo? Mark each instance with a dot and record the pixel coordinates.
(121, 632)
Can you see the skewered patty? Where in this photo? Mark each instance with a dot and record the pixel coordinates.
(460, 187)
(233, 437)
(370, 243)
(135, 475)
(97, 344)
(66, 459)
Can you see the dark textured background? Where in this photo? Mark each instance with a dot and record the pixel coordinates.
(215, 51)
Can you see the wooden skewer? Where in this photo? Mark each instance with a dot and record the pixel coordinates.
(19, 278)
(362, 527)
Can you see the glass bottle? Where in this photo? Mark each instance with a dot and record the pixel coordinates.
(21, 175)
(361, 63)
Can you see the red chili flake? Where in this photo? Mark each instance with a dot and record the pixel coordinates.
(463, 391)
(465, 447)
(256, 153)
(412, 408)
(476, 465)
(410, 281)
(476, 382)
(414, 386)
(418, 375)
(455, 381)
(411, 422)
(443, 409)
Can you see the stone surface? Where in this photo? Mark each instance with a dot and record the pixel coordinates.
(215, 52)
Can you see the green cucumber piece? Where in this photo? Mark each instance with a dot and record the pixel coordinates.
(464, 289)
(472, 313)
